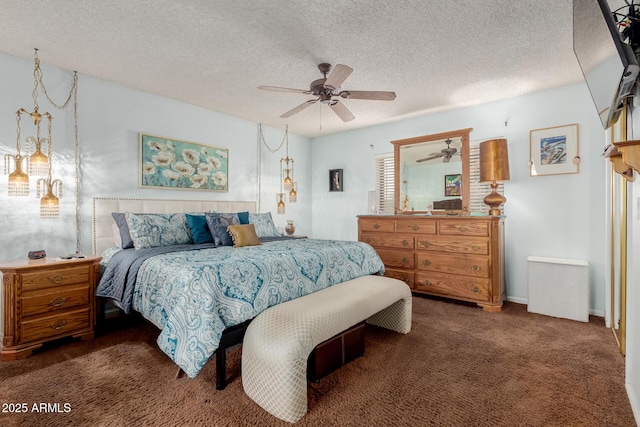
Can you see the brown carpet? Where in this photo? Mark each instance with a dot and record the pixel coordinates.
(459, 366)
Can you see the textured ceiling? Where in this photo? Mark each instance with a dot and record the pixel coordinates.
(435, 55)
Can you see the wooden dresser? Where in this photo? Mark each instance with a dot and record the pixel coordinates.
(459, 257)
(44, 300)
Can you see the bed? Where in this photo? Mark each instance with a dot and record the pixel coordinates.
(202, 296)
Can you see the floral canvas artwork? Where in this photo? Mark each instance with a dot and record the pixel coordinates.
(175, 164)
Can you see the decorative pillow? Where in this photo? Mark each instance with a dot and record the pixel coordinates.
(264, 224)
(126, 241)
(151, 230)
(244, 235)
(199, 229)
(115, 233)
(243, 217)
(218, 223)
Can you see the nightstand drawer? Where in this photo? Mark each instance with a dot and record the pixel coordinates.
(45, 327)
(65, 275)
(58, 298)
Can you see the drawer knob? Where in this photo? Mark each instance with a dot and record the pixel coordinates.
(376, 226)
(404, 260)
(426, 262)
(415, 227)
(475, 269)
(425, 244)
(367, 240)
(404, 243)
(462, 228)
(57, 301)
(58, 278)
(426, 283)
(475, 247)
(58, 324)
(476, 290)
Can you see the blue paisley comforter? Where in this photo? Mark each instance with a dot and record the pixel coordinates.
(192, 296)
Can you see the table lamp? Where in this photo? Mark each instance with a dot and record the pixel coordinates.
(494, 167)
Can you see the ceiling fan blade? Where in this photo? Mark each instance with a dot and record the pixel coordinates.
(368, 94)
(446, 159)
(298, 108)
(283, 89)
(342, 111)
(431, 157)
(338, 75)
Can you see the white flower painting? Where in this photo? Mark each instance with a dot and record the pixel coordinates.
(171, 163)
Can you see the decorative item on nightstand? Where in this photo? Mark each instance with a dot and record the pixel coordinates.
(494, 167)
(290, 228)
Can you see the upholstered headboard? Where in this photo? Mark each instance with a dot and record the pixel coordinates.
(103, 207)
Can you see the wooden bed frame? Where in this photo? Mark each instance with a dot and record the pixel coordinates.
(102, 235)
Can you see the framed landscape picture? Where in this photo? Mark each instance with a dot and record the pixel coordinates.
(554, 150)
(452, 185)
(181, 165)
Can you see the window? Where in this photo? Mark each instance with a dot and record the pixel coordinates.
(384, 182)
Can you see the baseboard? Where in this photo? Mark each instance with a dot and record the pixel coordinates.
(525, 301)
(635, 403)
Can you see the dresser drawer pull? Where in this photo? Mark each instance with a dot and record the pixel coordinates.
(476, 269)
(57, 301)
(376, 226)
(426, 282)
(58, 278)
(425, 244)
(462, 228)
(404, 243)
(426, 262)
(476, 290)
(367, 240)
(476, 247)
(415, 227)
(404, 260)
(58, 324)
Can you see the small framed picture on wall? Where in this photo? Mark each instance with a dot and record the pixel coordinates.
(335, 180)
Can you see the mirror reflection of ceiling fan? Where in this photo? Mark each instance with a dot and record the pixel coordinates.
(328, 88)
(446, 153)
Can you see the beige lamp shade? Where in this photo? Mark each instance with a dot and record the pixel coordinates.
(494, 161)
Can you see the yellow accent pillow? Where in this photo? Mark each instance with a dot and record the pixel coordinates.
(243, 235)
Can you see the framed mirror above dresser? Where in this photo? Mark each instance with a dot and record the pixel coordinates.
(432, 173)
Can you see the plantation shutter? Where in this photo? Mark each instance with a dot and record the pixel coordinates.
(384, 182)
(477, 191)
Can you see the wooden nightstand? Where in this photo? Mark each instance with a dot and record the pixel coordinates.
(46, 299)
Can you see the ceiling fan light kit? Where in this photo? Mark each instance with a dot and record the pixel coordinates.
(327, 89)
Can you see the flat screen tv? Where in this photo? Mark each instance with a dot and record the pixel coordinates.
(608, 63)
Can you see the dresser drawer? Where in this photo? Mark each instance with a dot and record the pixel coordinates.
(405, 275)
(464, 228)
(388, 240)
(376, 224)
(453, 286)
(452, 244)
(413, 226)
(49, 326)
(64, 275)
(468, 265)
(52, 299)
(397, 258)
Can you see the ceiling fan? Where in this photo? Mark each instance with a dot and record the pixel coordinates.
(446, 153)
(328, 88)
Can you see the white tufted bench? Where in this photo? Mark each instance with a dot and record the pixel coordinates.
(279, 340)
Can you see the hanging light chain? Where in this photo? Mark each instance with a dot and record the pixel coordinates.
(285, 137)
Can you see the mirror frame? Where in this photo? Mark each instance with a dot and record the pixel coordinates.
(463, 134)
